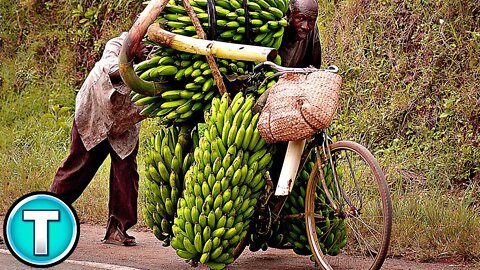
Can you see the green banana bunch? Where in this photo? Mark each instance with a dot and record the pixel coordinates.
(267, 20)
(276, 237)
(167, 160)
(335, 237)
(193, 91)
(331, 231)
(223, 184)
(192, 76)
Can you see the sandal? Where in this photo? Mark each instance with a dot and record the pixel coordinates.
(120, 238)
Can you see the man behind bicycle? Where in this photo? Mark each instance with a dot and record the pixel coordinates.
(300, 48)
(301, 41)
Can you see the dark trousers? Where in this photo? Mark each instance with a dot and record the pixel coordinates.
(79, 168)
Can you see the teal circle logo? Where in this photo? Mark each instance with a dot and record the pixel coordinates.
(41, 230)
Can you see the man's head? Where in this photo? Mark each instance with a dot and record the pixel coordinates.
(302, 16)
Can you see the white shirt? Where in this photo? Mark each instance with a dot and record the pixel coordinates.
(105, 111)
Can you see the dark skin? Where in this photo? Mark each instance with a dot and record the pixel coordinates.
(140, 56)
(302, 17)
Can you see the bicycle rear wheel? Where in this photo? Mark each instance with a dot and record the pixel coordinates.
(363, 218)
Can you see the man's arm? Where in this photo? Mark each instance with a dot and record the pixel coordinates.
(110, 56)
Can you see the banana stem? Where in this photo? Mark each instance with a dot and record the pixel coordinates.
(217, 49)
(130, 47)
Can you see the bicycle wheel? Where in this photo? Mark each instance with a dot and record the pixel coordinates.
(364, 208)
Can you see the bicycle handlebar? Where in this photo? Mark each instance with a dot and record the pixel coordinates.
(332, 68)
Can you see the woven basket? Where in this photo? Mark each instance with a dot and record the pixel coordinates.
(298, 105)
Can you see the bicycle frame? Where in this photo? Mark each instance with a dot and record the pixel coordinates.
(281, 199)
(320, 144)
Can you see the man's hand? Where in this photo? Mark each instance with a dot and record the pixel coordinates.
(142, 52)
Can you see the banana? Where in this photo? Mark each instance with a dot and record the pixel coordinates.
(185, 254)
(175, 9)
(256, 22)
(233, 24)
(176, 24)
(147, 100)
(184, 108)
(216, 253)
(218, 232)
(267, 40)
(189, 245)
(253, 6)
(230, 233)
(261, 36)
(282, 5)
(200, 3)
(232, 16)
(173, 103)
(277, 13)
(147, 64)
(221, 12)
(216, 265)
(276, 44)
(180, 74)
(263, 4)
(228, 34)
(150, 109)
(171, 94)
(267, 16)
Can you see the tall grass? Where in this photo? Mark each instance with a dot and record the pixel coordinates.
(430, 226)
(42, 66)
(410, 94)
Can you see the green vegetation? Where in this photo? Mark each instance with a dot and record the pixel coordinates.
(46, 49)
(411, 76)
(411, 94)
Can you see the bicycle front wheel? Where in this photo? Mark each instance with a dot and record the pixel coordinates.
(357, 219)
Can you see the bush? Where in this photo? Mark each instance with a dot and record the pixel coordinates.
(411, 74)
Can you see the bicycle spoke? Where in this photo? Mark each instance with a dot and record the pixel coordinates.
(369, 228)
(357, 236)
(369, 247)
(372, 234)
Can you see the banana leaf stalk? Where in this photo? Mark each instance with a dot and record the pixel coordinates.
(217, 49)
(130, 47)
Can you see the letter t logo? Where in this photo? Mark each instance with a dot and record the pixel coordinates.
(40, 220)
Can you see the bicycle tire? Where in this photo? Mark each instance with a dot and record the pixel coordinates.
(374, 257)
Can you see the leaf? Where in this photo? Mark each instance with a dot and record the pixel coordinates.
(444, 115)
(64, 110)
(48, 116)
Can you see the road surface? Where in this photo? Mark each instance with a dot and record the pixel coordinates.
(150, 254)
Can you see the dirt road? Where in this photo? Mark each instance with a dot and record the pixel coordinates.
(150, 254)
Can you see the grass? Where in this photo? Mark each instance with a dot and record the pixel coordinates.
(410, 94)
(431, 226)
(411, 74)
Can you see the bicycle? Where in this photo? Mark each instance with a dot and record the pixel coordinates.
(347, 202)
(359, 196)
